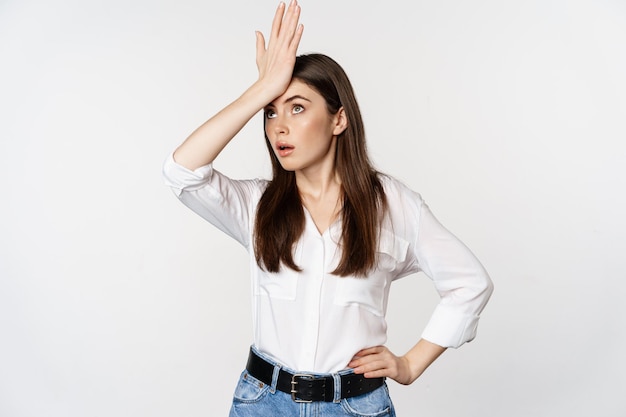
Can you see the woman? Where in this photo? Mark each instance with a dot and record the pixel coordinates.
(328, 235)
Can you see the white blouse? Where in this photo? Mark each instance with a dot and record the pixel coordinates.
(313, 321)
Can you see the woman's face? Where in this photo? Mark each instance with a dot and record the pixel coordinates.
(301, 130)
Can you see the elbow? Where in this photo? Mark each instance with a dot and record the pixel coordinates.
(484, 290)
(488, 286)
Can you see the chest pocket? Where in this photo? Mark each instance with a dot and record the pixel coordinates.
(282, 285)
(370, 292)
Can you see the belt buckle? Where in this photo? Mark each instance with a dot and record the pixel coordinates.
(294, 391)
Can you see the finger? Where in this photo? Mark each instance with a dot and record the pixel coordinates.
(368, 362)
(356, 360)
(370, 351)
(290, 21)
(371, 366)
(296, 38)
(377, 374)
(292, 27)
(277, 22)
(260, 46)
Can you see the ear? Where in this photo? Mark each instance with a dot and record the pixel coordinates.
(341, 122)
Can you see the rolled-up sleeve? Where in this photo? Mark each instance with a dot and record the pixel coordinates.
(180, 179)
(461, 281)
(226, 203)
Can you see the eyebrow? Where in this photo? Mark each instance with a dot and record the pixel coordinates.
(290, 99)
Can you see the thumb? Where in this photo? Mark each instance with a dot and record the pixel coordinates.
(260, 46)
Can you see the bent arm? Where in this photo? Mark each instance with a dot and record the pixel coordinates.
(460, 279)
(275, 64)
(464, 287)
(207, 141)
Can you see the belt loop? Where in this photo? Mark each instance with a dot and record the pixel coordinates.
(337, 379)
(275, 378)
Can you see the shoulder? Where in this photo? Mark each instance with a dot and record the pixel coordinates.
(403, 209)
(397, 192)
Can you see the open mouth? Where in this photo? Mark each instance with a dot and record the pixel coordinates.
(284, 149)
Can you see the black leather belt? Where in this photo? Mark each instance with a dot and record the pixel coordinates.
(308, 388)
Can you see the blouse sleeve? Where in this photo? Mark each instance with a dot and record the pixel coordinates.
(458, 276)
(226, 203)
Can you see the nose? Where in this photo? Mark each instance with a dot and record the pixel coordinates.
(279, 126)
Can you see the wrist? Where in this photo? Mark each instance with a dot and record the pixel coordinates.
(413, 369)
(262, 93)
(421, 356)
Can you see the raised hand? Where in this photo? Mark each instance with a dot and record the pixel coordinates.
(275, 65)
(276, 62)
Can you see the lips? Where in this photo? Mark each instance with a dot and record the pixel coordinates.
(284, 148)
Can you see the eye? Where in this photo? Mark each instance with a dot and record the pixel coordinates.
(298, 108)
(270, 114)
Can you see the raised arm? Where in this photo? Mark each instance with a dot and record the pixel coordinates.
(275, 64)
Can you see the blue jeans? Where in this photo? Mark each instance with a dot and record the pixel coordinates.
(253, 398)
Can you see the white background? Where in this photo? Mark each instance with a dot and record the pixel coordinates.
(507, 116)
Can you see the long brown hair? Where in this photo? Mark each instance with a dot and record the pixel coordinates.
(280, 215)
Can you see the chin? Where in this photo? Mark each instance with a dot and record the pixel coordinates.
(288, 168)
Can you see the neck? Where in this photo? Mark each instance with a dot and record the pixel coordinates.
(320, 181)
(320, 192)
(317, 186)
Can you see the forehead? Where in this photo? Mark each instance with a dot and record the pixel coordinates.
(298, 88)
